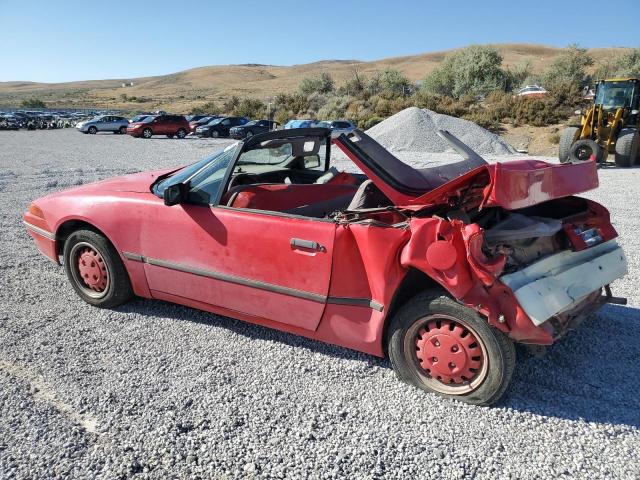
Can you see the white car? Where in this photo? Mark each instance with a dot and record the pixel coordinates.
(337, 127)
(104, 123)
(532, 91)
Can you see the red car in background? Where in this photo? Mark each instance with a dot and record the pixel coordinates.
(169, 125)
(442, 269)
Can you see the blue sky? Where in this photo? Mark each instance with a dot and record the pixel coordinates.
(54, 41)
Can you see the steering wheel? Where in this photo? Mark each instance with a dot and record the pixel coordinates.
(244, 179)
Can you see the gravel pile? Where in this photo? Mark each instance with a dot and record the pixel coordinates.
(154, 390)
(414, 130)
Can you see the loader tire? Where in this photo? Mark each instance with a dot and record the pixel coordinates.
(627, 148)
(584, 150)
(567, 138)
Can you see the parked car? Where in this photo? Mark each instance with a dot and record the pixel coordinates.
(195, 118)
(9, 122)
(139, 118)
(252, 128)
(299, 124)
(193, 124)
(103, 123)
(219, 127)
(443, 268)
(169, 125)
(532, 91)
(338, 127)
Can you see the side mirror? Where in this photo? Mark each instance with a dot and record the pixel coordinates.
(311, 161)
(175, 194)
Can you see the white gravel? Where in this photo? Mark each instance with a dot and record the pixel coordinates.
(414, 129)
(154, 390)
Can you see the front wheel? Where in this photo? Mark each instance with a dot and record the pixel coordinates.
(445, 348)
(147, 133)
(627, 148)
(93, 130)
(95, 270)
(181, 133)
(215, 134)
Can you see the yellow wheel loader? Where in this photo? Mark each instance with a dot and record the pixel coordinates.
(609, 126)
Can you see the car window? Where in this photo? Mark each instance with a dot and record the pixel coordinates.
(341, 125)
(206, 184)
(226, 122)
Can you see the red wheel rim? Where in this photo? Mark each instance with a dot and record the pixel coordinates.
(448, 355)
(89, 270)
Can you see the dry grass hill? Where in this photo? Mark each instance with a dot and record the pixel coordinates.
(181, 91)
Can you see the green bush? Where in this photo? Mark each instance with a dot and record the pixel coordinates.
(569, 67)
(206, 108)
(251, 108)
(475, 70)
(370, 122)
(33, 103)
(322, 83)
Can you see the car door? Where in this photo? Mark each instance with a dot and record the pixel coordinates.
(259, 264)
(103, 124)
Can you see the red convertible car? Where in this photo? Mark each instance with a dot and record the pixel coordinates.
(442, 269)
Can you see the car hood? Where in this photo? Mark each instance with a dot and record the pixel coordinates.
(511, 185)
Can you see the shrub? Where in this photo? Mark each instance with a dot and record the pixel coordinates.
(568, 68)
(475, 70)
(554, 138)
(251, 108)
(295, 104)
(390, 81)
(33, 103)
(322, 83)
(370, 122)
(231, 104)
(205, 108)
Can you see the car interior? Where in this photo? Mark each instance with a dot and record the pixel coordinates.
(288, 175)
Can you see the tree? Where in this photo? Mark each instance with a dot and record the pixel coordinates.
(475, 70)
(322, 83)
(570, 67)
(33, 103)
(230, 105)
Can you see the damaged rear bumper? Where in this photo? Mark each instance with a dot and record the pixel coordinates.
(568, 283)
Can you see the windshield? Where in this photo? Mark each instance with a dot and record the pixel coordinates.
(252, 122)
(139, 118)
(188, 172)
(400, 175)
(215, 121)
(148, 119)
(614, 94)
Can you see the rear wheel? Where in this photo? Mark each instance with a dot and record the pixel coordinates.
(92, 130)
(584, 150)
(147, 133)
(567, 138)
(122, 130)
(445, 348)
(627, 148)
(95, 270)
(181, 133)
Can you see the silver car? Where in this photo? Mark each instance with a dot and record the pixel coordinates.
(104, 123)
(337, 127)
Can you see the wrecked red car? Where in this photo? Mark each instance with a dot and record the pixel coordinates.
(442, 269)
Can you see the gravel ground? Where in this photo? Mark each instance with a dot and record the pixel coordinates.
(154, 390)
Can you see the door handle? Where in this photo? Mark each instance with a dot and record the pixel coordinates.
(306, 244)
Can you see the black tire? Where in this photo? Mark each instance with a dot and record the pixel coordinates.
(214, 134)
(249, 134)
(567, 138)
(117, 287)
(583, 150)
(496, 352)
(147, 133)
(122, 130)
(92, 130)
(181, 133)
(627, 148)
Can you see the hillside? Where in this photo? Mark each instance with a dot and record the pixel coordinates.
(181, 91)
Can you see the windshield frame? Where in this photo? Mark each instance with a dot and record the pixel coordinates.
(604, 86)
(186, 173)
